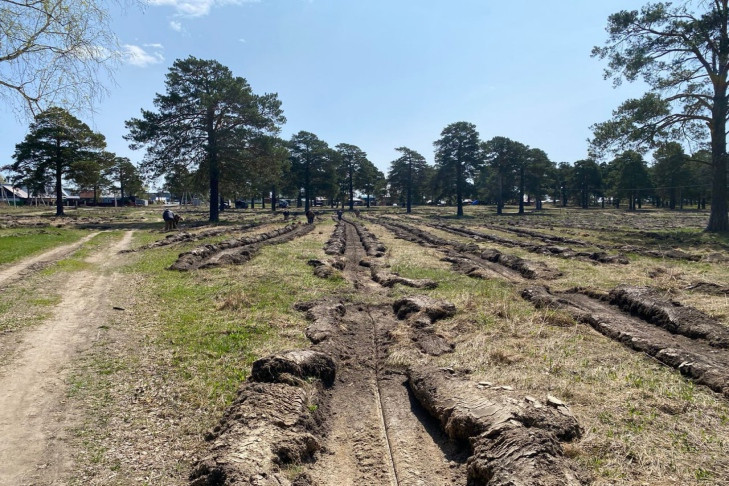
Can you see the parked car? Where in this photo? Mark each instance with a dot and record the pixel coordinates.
(283, 203)
(240, 204)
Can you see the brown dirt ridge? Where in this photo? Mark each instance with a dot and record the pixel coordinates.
(337, 413)
(658, 328)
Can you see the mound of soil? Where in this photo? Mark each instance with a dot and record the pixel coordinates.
(422, 304)
(646, 303)
(369, 241)
(338, 241)
(514, 440)
(204, 256)
(421, 312)
(299, 364)
(186, 237)
(325, 317)
(527, 269)
(322, 269)
(694, 358)
(709, 288)
(270, 423)
(387, 279)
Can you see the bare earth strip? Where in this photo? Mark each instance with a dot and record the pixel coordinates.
(14, 271)
(379, 435)
(34, 416)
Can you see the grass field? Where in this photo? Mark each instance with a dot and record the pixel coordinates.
(163, 371)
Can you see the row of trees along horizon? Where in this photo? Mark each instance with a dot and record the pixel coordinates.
(227, 141)
(209, 128)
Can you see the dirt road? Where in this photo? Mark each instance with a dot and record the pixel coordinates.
(34, 416)
(379, 433)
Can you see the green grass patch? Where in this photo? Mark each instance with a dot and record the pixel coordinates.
(16, 244)
(218, 321)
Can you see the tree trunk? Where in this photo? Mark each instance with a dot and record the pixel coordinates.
(351, 190)
(521, 190)
(214, 169)
(718, 218)
(59, 172)
(499, 201)
(410, 185)
(307, 188)
(459, 186)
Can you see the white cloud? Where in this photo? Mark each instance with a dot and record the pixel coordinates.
(176, 26)
(137, 56)
(196, 8)
(242, 41)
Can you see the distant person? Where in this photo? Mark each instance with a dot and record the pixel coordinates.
(310, 216)
(169, 217)
(286, 215)
(356, 212)
(339, 214)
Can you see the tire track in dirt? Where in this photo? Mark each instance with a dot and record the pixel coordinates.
(34, 412)
(339, 414)
(378, 433)
(15, 271)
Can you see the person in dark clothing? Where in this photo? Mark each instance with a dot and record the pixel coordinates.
(169, 218)
(286, 215)
(310, 216)
(339, 214)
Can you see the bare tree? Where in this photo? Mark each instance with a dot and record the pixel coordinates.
(52, 52)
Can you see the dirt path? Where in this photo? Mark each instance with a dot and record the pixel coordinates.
(15, 271)
(34, 413)
(379, 434)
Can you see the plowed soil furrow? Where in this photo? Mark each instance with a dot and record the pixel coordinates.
(694, 358)
(379, 434)
(547, 238)
(669, 253)
(464, 263)
(542, 249)
(186, 237)
(409, 426)
(236, 251)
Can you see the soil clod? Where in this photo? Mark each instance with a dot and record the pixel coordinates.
(513, 441)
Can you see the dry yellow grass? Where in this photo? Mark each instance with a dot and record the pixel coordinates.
(643, 422)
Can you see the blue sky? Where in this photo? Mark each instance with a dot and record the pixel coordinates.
(378, 74)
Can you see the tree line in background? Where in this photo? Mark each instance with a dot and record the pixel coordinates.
(500, 171)
(61, 148)
(210, 134)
